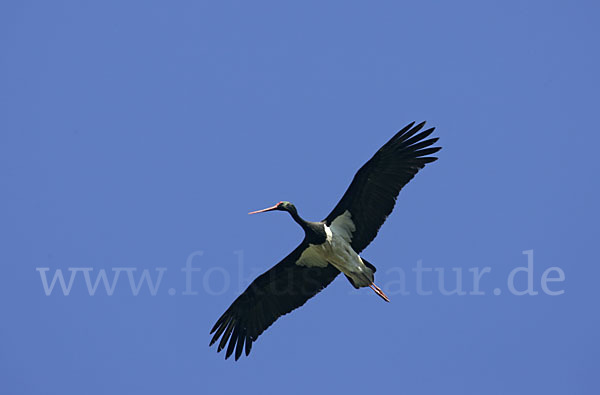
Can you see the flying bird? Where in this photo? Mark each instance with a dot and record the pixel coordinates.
(330, 246)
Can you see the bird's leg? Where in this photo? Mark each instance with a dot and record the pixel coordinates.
(379, 292)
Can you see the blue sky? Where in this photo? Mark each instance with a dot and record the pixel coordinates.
(137, 135)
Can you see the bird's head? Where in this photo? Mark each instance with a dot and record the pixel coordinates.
(281, 206)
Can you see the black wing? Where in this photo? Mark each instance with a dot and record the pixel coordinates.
(283, 288)
(373, 191)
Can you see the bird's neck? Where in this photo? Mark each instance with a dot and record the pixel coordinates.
(299, 220)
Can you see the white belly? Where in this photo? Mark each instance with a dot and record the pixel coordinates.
(338, 252)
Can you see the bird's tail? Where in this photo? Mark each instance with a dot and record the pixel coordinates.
(368, 281)
(369, 265)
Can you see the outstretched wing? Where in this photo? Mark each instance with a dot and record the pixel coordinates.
(283, 288)
(372, 194)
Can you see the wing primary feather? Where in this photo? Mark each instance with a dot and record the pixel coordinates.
(412, 131)
(248, 345)
(423, 144)
(418, 137)
(226, 335)
(403, 130)
(427, 151)
(429, 159)
(218, 333)
(239, 348)
(232, 342)
(219, 322)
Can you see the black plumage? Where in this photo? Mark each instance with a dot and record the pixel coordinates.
(370, 198)
(276, 292)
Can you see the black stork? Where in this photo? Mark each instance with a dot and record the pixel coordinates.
(330, 246)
